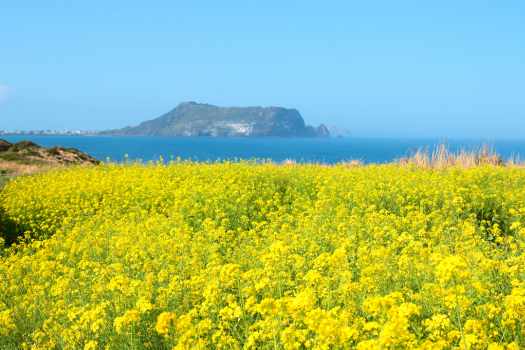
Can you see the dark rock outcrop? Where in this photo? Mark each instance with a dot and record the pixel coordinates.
(27, 152)
(4, 145)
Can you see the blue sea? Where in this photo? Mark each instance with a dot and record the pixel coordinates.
(329, 151)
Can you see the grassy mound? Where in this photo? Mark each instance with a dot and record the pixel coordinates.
(237, 255)
(26, 157)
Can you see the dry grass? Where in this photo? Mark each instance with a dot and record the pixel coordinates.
(15, 169)
(289, 161)
(351, 163)
(439, 158)
(442, 157)
(9, 170)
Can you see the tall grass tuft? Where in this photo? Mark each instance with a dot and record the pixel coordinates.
(441, 157)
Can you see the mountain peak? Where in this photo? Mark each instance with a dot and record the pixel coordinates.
(189, 103)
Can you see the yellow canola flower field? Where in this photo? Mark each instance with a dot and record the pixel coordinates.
(263, 256)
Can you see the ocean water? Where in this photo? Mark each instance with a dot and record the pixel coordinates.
(331, 150)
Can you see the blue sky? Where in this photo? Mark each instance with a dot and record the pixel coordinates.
(377, 68)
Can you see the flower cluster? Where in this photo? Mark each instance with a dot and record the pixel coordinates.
(261, 256)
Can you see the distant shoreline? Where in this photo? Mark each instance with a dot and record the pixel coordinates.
(36, 133)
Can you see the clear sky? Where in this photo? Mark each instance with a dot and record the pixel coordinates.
(377, 68)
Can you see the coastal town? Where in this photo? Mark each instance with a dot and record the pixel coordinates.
(50, 132)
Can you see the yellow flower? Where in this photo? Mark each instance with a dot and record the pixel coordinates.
(495, 346)
(259, 255)
(6, 322)
(452, 268)
(130, 317)
(91, 345)
(165, 321)
(143, 305)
